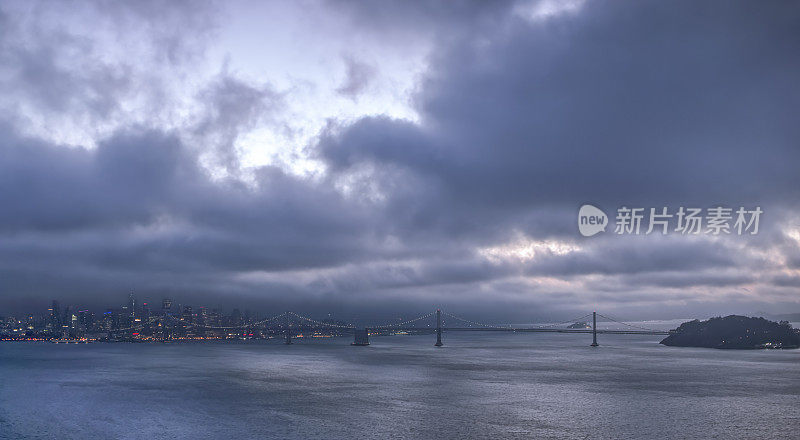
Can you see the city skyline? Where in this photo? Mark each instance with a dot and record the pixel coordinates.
(137, 321)
(134, 320)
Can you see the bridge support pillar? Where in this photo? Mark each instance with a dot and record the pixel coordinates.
(594, 329)
(288, 331)
(438, 328)
(361, 337)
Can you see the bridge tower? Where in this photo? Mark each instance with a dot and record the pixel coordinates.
(361, 337)
(438, 328)
(288, 331)
(594, 329)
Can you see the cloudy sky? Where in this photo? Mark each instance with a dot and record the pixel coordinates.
(384, 158)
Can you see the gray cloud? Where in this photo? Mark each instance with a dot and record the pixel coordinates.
(643, 105)
(593, 107)
(233, 106)
(358, 77)
(90, 68)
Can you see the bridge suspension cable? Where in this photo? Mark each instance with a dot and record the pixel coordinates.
(569, 321)
(629, 325)
(400, 324)
(475, 322)
(314, 321)
(510, 326)
(270, 319)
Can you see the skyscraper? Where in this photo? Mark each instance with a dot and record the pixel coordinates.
(55, 317)
(66, 323)
(187, 313)
(236, 317)
(145, 312)
(132, 305)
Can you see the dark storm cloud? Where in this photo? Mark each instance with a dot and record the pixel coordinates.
(632, 257)
(139, 213)
(129, 179)
(414, 274)
(520, 122)
(143, 178)
(647, 102)
(682, 280)
(787, 281)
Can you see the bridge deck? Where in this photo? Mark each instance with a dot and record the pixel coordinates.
(522, 330)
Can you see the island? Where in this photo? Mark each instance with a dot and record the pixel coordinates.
(734, 332)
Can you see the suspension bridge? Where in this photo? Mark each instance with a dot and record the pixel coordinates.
(290, 324)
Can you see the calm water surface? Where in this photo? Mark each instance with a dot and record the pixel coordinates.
(480, 385)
